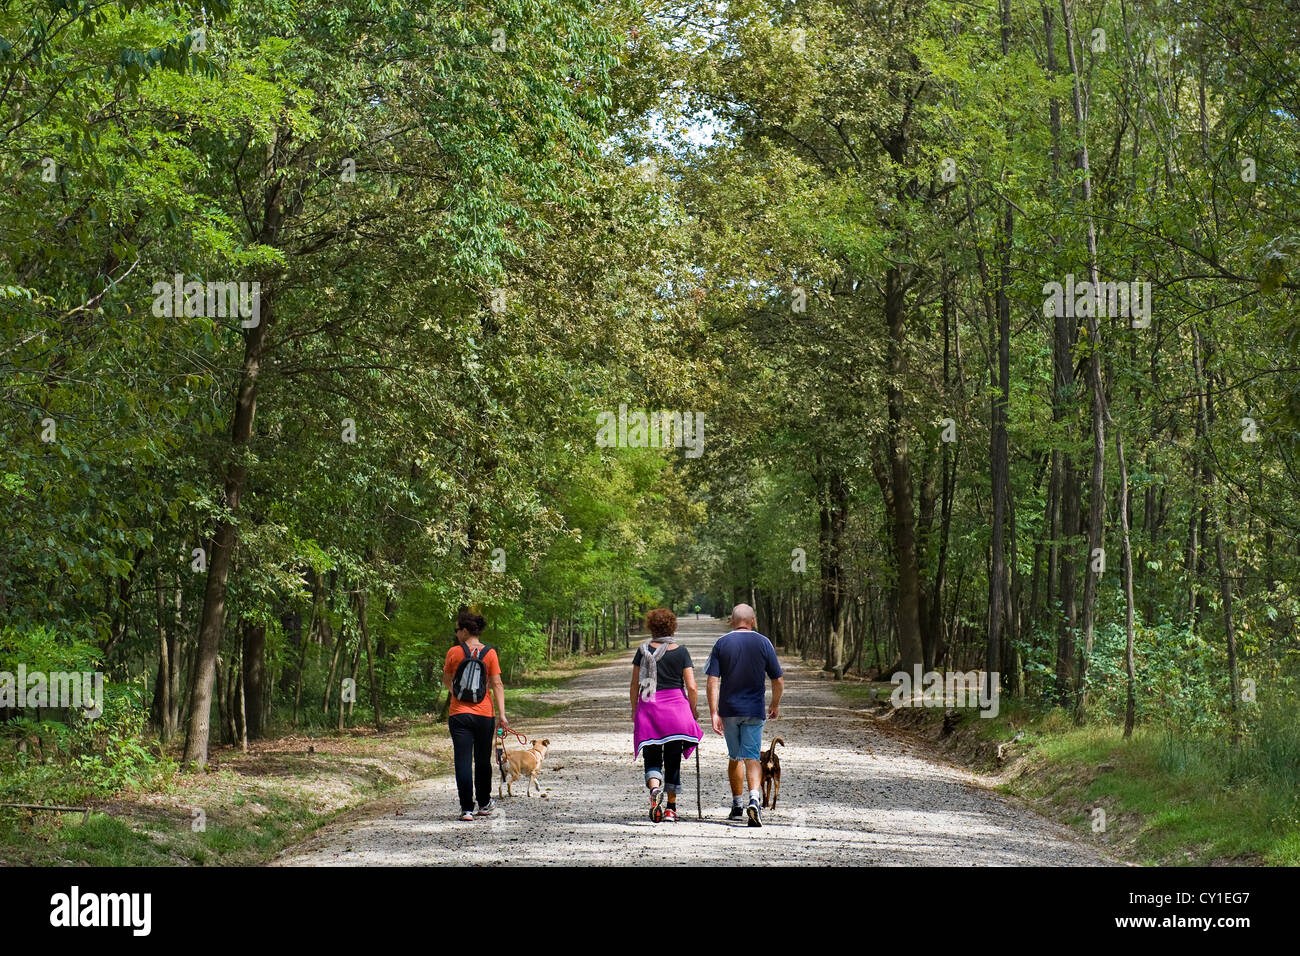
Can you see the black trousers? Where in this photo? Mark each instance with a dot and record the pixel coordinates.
(471, 747)
(668, 758)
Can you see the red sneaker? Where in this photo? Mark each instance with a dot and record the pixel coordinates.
(670, 815)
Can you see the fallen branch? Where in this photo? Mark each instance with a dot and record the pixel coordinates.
(84, 811)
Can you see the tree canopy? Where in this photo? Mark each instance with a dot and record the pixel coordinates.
(308, 313)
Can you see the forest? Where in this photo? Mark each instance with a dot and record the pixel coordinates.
(314, 319)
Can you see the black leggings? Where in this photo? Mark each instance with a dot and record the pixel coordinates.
(471, 747)
(665, 762)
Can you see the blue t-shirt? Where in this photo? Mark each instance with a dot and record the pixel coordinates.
(743, 659)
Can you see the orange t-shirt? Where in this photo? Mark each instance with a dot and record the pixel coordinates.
(455, 655)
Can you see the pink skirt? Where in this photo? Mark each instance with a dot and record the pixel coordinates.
(665, 718)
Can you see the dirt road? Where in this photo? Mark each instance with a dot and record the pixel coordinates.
(851, 794)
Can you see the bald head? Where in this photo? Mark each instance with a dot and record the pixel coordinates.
(742, 615)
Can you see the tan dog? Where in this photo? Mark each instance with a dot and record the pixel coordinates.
(521, 762)
(771, 765)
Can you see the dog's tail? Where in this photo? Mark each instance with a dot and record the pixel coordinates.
(777, 740)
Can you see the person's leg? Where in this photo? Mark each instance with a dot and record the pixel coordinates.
(653, 755)
(736, 776)
(735, 766)
(751, 744)
(460, 728)
(483, 733)
(673, 771)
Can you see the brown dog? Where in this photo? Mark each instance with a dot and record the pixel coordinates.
(522, 762)
(772, 772)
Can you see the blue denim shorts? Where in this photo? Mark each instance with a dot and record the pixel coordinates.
(744, 736)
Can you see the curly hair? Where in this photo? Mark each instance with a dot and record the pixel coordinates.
(469, 621)
(661, 622)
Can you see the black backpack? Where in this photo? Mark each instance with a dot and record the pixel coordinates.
(470, 683)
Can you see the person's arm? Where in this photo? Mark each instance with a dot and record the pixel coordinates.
(692, 691)
(635, 688)
(492, 660)
(778, 687)
(713, 689)
(777, 676)
(499, 692)
(447, 673)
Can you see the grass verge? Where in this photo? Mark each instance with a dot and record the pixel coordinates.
(1168, 798)
(247, 807)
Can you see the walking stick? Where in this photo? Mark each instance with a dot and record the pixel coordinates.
(699, 806)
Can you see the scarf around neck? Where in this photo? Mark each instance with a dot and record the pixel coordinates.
(650, 668)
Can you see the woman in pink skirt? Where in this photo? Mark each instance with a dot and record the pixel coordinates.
(665, 726)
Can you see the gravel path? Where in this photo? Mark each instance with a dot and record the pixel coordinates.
(850, 794)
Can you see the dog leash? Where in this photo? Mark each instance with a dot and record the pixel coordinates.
(501, 746)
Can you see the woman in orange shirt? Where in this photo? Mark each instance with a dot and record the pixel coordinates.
(470, 671)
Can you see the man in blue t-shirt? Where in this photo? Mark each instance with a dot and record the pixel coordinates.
(738, 664)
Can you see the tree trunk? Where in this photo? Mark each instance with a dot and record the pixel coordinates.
(900, 471)
(316, 620)
(1097, 501)
(254, 677)
(1063, 388)
(1207, 415)
(1229, 630)
(224, 541)
(833, 510)
(947, 494)
(335, 657)
(1130, 671)
(242, 712)
(999, 451)
(164, 707)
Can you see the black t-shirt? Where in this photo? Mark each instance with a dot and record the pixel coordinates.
(668, 672)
